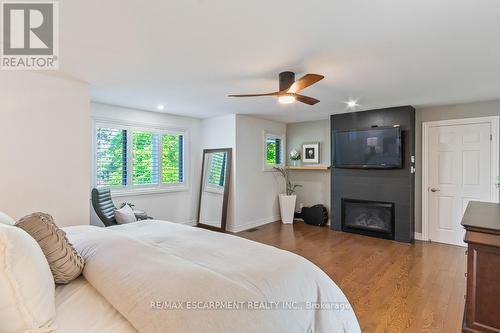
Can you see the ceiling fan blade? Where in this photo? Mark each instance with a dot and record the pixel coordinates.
(304, 82)
(306, 99)
(255, 95)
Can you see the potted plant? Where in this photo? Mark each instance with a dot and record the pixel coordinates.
(287, 200)
(295, 157)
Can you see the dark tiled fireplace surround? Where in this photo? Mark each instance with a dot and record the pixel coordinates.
(392, 186)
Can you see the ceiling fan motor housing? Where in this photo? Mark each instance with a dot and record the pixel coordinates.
(286, 80)
(289, 88)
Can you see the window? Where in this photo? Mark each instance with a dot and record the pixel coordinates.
(273, 150)
(145, 162)
(172, 159)
(129, 158)
(111, 157)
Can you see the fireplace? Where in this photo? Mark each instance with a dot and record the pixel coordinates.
(371, 218)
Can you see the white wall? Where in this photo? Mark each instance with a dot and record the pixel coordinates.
(257, 190)
(315, 184)
(44, 146)
(180, 207)
(253, 198)
(220, 132)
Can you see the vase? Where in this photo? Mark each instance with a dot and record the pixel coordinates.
(295, 162)
(287, 208)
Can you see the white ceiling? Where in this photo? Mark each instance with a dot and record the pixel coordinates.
(189, 54)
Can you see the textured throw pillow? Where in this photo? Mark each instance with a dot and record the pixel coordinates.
(125, 215)
(27, 290)
(65, 263)
(6, 219)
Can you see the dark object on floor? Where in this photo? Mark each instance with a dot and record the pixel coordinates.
(105, 208)
(252, 230)
(315, 215)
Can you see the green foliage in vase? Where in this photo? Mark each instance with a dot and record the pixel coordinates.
(289, 187)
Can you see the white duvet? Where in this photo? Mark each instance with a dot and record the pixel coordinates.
(166, 277)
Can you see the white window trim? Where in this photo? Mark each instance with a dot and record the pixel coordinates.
(131, 189)
(274, 135)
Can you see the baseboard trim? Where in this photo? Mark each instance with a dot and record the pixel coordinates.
(252, 224)
(419, 236)
(188, 222)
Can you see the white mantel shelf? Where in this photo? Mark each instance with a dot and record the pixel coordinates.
(309, 167)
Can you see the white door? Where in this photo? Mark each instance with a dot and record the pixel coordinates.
(459, 171)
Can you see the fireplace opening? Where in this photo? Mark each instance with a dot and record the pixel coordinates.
(371, 218)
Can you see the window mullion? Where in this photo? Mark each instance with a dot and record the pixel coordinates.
(130, 159)
(181, 159)
(124, 157)
(160, 159)
(277, 147)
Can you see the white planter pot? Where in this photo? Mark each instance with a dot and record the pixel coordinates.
(287, 207)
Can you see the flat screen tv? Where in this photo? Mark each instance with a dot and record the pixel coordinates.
(373, 148)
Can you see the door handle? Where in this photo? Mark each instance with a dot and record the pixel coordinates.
(435, 189)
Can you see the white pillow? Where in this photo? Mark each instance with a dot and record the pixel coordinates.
(27, 302)
(125, 215)
(6, 219)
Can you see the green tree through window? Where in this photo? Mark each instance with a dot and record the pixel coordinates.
(172, 159)
(273, 151)
(147, 151)
(145, 158)
(111, 157)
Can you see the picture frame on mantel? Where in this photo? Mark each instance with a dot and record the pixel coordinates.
(310, 153)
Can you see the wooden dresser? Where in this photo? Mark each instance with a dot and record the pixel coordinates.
(482, 305)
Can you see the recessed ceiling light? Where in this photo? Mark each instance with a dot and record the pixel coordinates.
(352, 103)
(160, 107)
(286, 99)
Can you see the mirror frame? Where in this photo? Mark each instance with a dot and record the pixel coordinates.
(227, 181)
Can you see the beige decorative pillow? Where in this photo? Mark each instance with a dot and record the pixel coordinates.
(65, 263)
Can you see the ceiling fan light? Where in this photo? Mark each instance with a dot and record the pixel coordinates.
(286, 99)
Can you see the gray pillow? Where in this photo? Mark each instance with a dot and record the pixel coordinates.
(125, 215)
(64, 262)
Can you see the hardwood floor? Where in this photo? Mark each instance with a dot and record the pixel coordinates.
(393, 287)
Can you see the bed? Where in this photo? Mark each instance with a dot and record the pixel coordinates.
(95, 314)
(156, 276)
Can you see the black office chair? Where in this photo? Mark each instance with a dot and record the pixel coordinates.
(103, 205)
(105, 208)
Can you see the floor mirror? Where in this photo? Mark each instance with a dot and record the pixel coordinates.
(214, 189)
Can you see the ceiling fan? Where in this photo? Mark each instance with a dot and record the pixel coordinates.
(289, 88)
